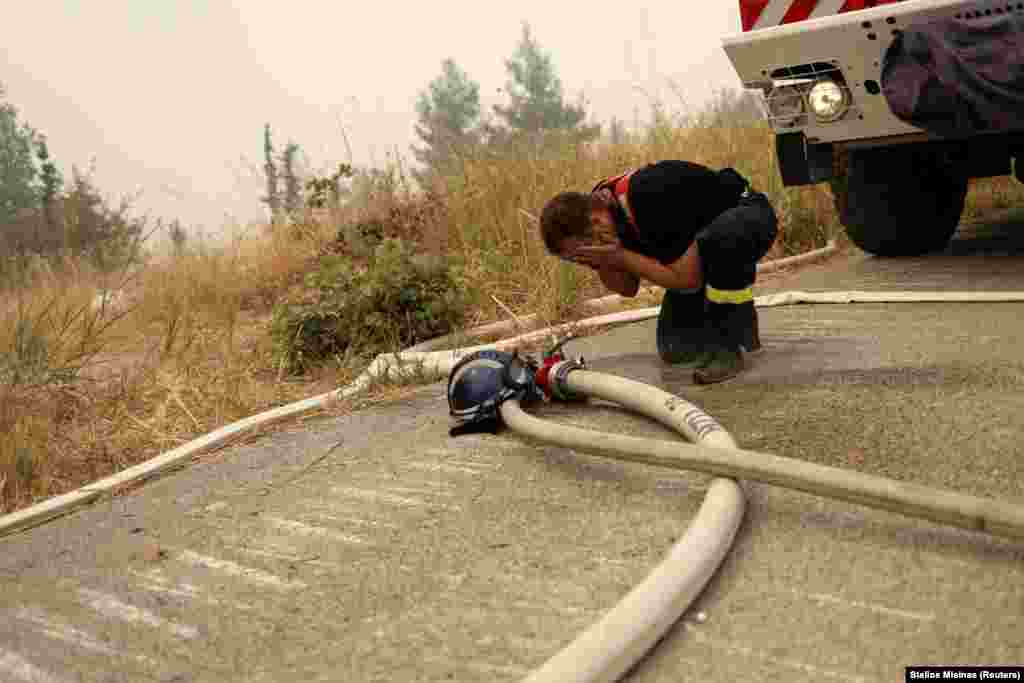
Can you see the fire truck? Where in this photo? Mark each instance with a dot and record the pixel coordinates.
(896, 103)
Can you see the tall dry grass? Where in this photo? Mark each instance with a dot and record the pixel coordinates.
(986, 195)
(91, 389)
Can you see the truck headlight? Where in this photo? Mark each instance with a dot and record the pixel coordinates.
(786, 103)
(828, 100)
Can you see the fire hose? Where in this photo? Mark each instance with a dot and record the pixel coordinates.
(487, 389)
(612, 645)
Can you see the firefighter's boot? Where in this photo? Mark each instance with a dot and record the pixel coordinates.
(729, 329)
(681, 326)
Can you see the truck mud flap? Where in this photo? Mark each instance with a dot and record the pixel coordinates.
(958, 77)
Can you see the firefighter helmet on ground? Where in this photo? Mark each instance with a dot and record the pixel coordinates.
(482, 381)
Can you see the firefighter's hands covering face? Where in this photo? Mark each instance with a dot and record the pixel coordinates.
(602, 250)
(600, 256)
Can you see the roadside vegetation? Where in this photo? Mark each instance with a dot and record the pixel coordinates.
(113, 350)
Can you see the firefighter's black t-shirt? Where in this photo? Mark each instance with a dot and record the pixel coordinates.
(671, 202)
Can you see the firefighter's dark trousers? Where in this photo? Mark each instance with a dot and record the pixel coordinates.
(732, 244)
(721, 313)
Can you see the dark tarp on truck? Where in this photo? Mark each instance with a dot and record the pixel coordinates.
(958, 77)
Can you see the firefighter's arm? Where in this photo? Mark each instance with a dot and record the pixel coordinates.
(683, 273)
(619, 281)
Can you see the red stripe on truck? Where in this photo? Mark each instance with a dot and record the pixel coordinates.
(750, 10)
(798, 10)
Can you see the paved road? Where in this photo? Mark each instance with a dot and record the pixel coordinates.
(374, 548)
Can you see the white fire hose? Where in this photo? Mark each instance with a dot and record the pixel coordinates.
(615, 643)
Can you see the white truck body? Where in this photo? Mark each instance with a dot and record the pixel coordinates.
(853, 44)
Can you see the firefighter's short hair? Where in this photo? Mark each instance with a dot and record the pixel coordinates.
(566, 215)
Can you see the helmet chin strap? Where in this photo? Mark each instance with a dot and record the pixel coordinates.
(487, 425)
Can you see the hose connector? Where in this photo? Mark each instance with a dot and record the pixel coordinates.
(558, 384)
(553, 370)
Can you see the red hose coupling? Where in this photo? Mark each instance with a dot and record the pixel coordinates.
(543, 374)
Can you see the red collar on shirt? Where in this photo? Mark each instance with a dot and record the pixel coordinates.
(619, 188)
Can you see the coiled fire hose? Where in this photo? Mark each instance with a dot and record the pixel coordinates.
(612, 645)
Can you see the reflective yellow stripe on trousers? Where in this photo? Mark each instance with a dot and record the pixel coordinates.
(729, 296)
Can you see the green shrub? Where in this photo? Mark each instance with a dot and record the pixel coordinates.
(28, 359)
(361, 238)
(400, 299)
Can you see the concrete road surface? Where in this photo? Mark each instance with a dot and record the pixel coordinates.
(373, 547)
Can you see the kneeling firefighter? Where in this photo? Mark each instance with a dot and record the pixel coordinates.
(697, 232)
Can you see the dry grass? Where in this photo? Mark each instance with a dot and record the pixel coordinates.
(985, 195)
(186, 352)
(188, 349)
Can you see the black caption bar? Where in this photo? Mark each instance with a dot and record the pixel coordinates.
(964, 673)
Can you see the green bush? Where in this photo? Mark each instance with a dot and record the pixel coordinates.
(28, 359)
(400, 299)
(361, 238)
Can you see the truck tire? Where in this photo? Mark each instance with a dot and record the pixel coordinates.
(898, 201)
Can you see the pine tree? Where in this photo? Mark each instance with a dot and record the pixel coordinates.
(18, 171)
(50, 180)
(535, 93)
(448, 112)
(292, 184)
(272, 199)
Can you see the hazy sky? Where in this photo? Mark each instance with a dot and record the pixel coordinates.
(170, 96)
